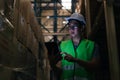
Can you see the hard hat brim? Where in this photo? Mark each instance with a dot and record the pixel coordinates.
(72, 18)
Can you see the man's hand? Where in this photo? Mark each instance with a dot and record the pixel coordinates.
(69, 58)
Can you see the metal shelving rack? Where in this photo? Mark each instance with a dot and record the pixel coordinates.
(55, 8)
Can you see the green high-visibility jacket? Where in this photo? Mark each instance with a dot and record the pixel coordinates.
(84, 51)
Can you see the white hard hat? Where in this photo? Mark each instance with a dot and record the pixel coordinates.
(78, 17)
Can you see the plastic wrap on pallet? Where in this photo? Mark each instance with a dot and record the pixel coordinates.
(27, 34)
(1, 5)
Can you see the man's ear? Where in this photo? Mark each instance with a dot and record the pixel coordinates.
(82, 28)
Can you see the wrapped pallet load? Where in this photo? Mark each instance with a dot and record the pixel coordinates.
(23, 55)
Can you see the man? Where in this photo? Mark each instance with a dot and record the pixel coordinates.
(80, 56)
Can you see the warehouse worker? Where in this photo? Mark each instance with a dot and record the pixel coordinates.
(80, 56)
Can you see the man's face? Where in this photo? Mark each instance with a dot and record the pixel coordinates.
(74, 28)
